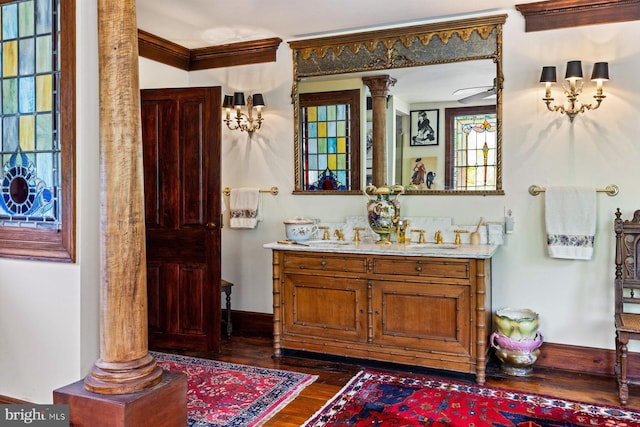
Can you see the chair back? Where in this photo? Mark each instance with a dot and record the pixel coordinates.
(627, 281)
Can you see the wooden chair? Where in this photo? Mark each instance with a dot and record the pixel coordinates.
(627, 294)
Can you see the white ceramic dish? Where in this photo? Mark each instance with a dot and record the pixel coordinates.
(300, 229)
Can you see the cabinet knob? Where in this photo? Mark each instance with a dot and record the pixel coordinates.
(418, 268)
(323, 263)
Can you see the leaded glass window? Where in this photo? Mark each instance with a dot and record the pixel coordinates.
(37, 129)
(329, 124)
(30, 148)
(473, 149)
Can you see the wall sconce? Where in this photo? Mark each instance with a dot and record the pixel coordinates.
(243, 121)
(574, 76)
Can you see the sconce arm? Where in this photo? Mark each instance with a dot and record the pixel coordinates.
(573, 106)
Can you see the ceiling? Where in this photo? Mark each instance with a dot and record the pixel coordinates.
(202, 23)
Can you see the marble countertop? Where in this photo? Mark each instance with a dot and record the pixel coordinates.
(446, 250)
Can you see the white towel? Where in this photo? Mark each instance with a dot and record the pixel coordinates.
(244, 207)
(570, 217)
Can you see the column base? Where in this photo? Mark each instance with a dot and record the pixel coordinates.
(163, 405)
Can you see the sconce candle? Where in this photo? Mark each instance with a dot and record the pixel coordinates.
(573, 75)
(243, 121)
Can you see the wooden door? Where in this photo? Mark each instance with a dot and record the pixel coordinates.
(181, 148)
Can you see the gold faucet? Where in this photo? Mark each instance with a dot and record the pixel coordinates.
(438, 237)
(338, 233)
(457, 242)
(356, 233)
(325, 235)
(421, 237)
(401, 229)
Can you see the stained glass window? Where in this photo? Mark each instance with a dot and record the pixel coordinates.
(30, 190)
(329, 124)
(474, 150)
(37, 129)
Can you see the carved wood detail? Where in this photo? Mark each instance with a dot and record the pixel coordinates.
(549, 15)
(227, 55)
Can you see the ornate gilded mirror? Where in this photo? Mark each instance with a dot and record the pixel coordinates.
(371, 107)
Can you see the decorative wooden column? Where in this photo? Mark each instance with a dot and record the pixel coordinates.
(125, 365)
(379, 88)
(125, 386)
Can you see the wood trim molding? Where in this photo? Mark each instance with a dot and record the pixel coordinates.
(552, 14)
(227, 55)
(6, 400)
(591, 360)
(167, 52)
(162, 50)
(251, 322)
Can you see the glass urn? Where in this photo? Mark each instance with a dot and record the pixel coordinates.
(383, 210)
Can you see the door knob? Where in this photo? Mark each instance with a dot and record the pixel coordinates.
(211, 225)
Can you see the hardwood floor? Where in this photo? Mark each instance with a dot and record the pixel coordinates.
(334, 374)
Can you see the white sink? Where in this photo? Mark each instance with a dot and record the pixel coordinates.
(431, 246)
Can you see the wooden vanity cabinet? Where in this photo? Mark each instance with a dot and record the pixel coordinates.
(424, 311)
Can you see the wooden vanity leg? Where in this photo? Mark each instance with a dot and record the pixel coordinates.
(481, 321)
(369, 312)
(277, 323)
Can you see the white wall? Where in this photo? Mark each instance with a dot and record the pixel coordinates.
(574, 298)
(49, 311)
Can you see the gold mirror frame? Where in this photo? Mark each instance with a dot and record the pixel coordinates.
(413, 46)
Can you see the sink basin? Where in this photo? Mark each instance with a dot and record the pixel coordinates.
(327, 242)
(431, 246)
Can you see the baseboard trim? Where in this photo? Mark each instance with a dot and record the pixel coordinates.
(595, 361)
(252, 322)
(591, 360)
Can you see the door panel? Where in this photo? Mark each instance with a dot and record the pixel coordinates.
(423, 316)
(334, 308)
(181, 150)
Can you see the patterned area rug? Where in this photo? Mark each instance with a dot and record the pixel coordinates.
(378, 399)
(226, 394)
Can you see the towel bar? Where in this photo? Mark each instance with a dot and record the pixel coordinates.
(273, 190)
(610, 189)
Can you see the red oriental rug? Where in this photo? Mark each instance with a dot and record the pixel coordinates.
(379, 399)
(226, 394)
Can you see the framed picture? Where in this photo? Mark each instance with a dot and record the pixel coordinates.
(424, 127)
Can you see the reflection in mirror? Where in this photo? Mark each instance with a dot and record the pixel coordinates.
(438, 69)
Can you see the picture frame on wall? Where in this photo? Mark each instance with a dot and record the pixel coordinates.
(424, 128)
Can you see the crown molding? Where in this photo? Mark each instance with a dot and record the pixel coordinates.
(167, 52)
(552, 14)
(162, 50)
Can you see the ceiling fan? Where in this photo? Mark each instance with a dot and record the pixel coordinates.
(478, 93)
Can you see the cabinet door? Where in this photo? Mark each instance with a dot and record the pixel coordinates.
(325, 307)
(433, 317)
